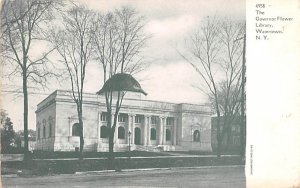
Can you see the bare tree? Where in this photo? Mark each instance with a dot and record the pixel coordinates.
(216, 56)
(229, 105)
(23, 26)
(74, 44)
(3, 116)
(119, 39)
(231, 88)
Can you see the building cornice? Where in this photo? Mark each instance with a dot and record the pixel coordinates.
(128, 103)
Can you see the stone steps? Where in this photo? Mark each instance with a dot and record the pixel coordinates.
(147, 148)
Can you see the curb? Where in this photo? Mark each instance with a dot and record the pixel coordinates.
(153, 169)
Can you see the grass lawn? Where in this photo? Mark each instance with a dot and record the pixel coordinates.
(60, 166)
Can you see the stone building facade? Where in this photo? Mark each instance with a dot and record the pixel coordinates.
(142, 124)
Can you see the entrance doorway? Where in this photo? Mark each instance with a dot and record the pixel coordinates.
(196, 136)
(137, 136)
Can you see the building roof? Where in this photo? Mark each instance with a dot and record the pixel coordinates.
(121, 82)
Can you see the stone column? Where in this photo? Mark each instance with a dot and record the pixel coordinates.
(132, 125)
(99, 131)
(127, 129)
(70, 128)
(164, 130)
(149, 129)
(175, 131)
(99, 126)
(145, 128)
(161, 131)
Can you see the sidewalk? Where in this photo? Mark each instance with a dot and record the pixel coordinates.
(155, 169)
(111, 172)
(173, 155)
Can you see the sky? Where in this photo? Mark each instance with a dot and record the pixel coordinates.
(169, 77)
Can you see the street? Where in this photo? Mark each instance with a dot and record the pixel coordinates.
(227, 176)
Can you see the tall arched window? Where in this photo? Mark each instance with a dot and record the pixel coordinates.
(44, 128)
(76, 129)
(50, 120)
(38, 130)
(196, 136)
(153, 134)
(168, 134)
(121, 133)
(103, 132)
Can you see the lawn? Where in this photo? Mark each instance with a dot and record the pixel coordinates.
(67, 166)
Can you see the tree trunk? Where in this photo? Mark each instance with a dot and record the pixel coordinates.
(81, 137)
(81, 131)
(219, 139)
(25, 93)
(111, 157)
(111, 145)
(111, 140)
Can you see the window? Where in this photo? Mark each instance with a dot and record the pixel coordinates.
(50, 129)
(39, 133)
(50, 120)
(121, 133)
(103, 116)
(38, 130)
(154, 120)
(236, 140)
(168, 134)
(138, 119)
(170, 121)
(153, 134)
(103, 132)
(44, 128)
(196, 136)
(122, 117)
(44, 131)
(76, 129)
